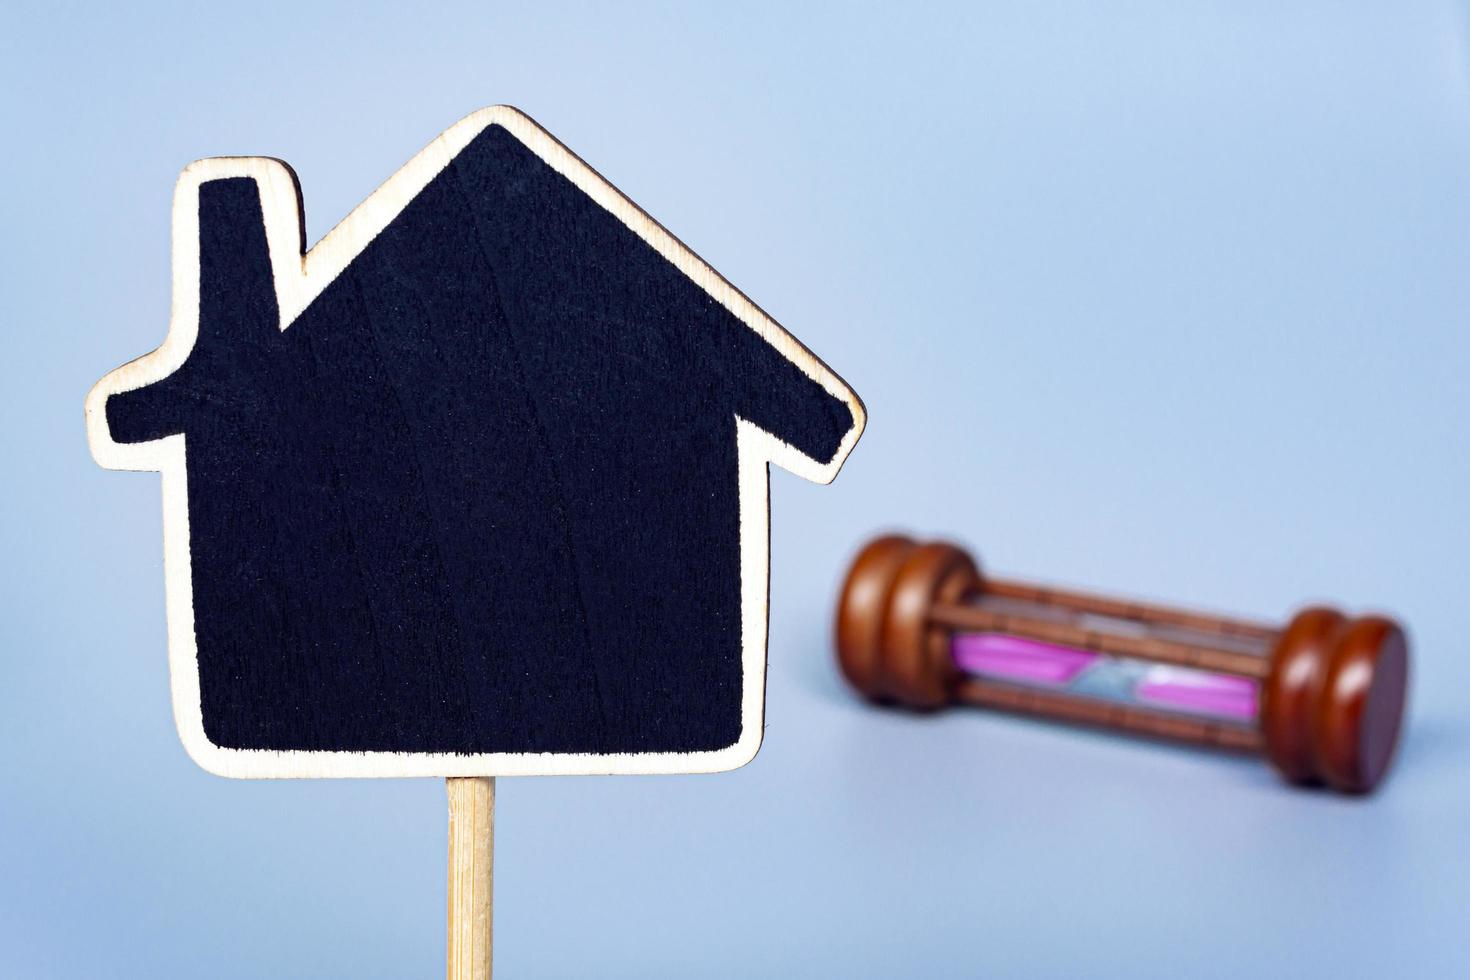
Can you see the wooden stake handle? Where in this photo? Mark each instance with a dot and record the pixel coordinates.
(471, 876)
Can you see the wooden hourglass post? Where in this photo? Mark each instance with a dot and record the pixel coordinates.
(471, 876)
(1322, 697)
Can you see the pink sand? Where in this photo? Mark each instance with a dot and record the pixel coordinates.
(1033, 662)
(1013, 658)
(1204, 693)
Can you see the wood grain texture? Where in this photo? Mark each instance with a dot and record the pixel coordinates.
(471, 876)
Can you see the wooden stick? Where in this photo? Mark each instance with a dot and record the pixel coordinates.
(1087, 711)
(471, 876)
(1138, 611)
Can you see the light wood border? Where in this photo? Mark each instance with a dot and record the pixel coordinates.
(300, 276)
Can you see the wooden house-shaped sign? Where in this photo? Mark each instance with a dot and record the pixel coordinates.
(476, 486)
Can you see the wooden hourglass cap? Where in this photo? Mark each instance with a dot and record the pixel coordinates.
(1333, 704)
(886, 646)
(1293, 689)
(861, 607)
(1363, 704)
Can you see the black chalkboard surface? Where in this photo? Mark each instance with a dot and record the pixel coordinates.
(476, 486)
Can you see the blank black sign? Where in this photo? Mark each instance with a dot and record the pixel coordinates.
(481, 495)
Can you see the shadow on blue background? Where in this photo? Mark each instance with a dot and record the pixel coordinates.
(1162, 301)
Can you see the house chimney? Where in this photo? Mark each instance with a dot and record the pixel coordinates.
(237, 293)
(239, 320)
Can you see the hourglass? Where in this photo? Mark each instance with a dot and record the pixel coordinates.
(1322, 697)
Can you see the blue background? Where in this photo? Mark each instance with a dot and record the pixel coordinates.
(1167, 299)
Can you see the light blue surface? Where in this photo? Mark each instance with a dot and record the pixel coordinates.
(1169, 300)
